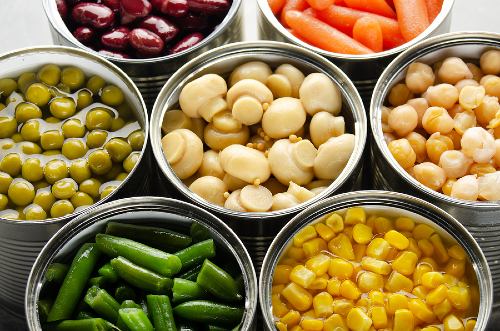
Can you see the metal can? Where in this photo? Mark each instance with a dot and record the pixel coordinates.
(480, 218)
(390, 204)
(22, 241)
(364, 70)
(151, 74)
(152, 211)
(258, 229)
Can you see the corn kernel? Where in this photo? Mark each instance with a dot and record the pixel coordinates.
(403, 320)
(359, 251)
(281, 326)
(442, 309)
(362, 234)
(450, 280)
(335, 222)
(314, 247)
(459, 297)
(378, 248)
(368, 281)
(296, 328)
(453, 323)
(296, 253)
(340, 268)
(430, 328)
(318, 264)
(342, 306)
(376, 298)
(420, 292)
(279, 307)
(377, 266)
(349, 290)
(309, 314)
(335, 323)
(413, 247)
(276, 289)
(298, 297)
(302, 276)
(432, 279)
(291, 318)
(333, 286)
(319, 283)
(357, 320)
(348, 232)
(405, 263)
(282, 274)
(396, 301)
(363, 302)
(393, 253)
(455, 268)
(323, 304)
(324, 231)
(404, 224)
(306, 233)
(440, 251)
(341, 246)
(289, 261)
(370, 221)
(398, 282)
(355, 215)
(457, 252)
(312, 324)
(379, 317)
(420, 269)
(420, 310)
(437, 295)
(396, 239)
(431, 262)
(382, 225)
(470, 325)
(422, 231)
(426, 247)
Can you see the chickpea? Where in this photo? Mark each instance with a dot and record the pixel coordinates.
(455, 138)
(430, 175)
(464, 121)
(279, 85)
(453, 70)
(442, 95)
(489, 186)
(471, 97)
(324, 126)
(419, 77)
(437, 119)
(184, 151)
(466, 188)
(478, 144)
(491, 84)
(456, 109)
(319, 93)
(481, 169)
(490, 62)
(388, 137)
(210, 188)
(417, 142)
(465, 82)
(233, 202)
(218, 140)
(454, 163)
(333, 156)
(403, 152)
(420, 105)
(256, 198)
(487, 110)
(436, 145)
(284, 117)
(496, 157)
(399, 95)
(477, 74)
(256, 70)
(210, 165)
(294, 76)
(403, 119)
(284, 201)
(245, 163)
(385, 119)
(200, 92)
(446, 189)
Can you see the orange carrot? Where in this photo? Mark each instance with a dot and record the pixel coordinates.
(343, 18)
(368, 32)
(323, 35)
(311, 12)
(276, 5)
(320, 4)
(296, 35)
(299, 5)
(340, 2)
(433, 8)
(412, 17)
(373, 6)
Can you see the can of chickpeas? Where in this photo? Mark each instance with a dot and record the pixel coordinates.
(256, 175)
(375, 259)
(150, 74)
(79, 150)
(465, 119)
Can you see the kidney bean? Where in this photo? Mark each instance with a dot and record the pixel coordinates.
(162, 27)
(113, 4)
(126, 18)
(116, 54)
(187, 42)
(192, 22)
(84, 34)
(137, 8)
(62, 8)
(146, 42)
(93, 14)
(175, 8)
(209, 6)
(116, 39)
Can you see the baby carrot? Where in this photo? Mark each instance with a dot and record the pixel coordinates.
(299, 5)
(412, 17)
(373, 6)
(311, 12)
(320, 4)
(433, 8)
(368, 32)
(322, 35)
(276, 5)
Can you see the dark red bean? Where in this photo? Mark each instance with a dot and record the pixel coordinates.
(62, 8)
(137, 8)
(209, 6)
(187, 42)
(94, 14)
(175, 8)
(126, 18)
(113, 4)
(116, 54)
(163, 28)
(146, 42)
(84, 34)
(116, 39)
(193, 22)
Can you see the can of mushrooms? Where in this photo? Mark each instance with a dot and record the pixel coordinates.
(480, 216)
(257, 131)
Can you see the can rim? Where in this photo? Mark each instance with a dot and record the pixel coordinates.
(190, 69)
(388, 77)
(271, 19)
(439, 217)
(58, 24)
(76, 52)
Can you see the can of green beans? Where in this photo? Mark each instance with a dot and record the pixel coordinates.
(168, 214)
(22, 240)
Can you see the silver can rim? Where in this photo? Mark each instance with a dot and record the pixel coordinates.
(61, 238)
(397, 66)
(133, 89)
(271, 19)
(58, 25)
(349, 93)
(373, 197)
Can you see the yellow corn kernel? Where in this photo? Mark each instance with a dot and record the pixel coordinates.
(370, 221)
(335, 323)
(377, 298)
(289, 261)
(396, 239)
(404, 224)
(349, 290)
(457, 252)
(318, 264)
(450, 280)
(432, 279)
(298, 297)
(342, 306)
(393, 253)
(455, 268)
(420, 292)
(348, 232)
(378, 248)
(335, 222)
(379, 317)
(296, 328)
(440, 252)
(453, 323)
(426, 247)
(309, 314)
(422, 231)
(323, 304)
(437, 295)
(430, 328)
(398, 282)
(405, 263)
(420, 269)
(279, 307)
(312, 324)
(459, 297)
(291, 318)
(281, 326)
(470, 325)
(383, 225)
(359, 251)
(413, 247)
(362, 234)
(363, 302)
(357, 320)
(314, 247)
(341, 269)
(430, 261)
(296, 253)
(319, 283)
(276, 289)
(282, 274)
(324, 231)
(377, 266)
(306, 233)
(442, 309)
(333, 286)
(355, 215)
(420, 310)
(368, 281)
(302, 276)
(341, 246)
(403, 320)
(396, 301)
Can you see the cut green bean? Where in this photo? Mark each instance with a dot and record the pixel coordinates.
(93, 324)
(218, 282)
(209, 312)
(74, 283)
(102, 303)
(135, 319)
(141, 277)
(124, 292)
(108, 273)
(44, 309)
(130, 304)
(199, 232)
(161, 313)
(185, 290)
(151, 258)
(196, 253)
(97, 281)
(56, 273)
(192, 273)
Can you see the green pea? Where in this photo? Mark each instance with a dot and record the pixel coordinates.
(52, 119)
(34, 213)
(17, 138)
(91, 187)
(81, 199)
(28, 147)
(30, 131)
(53, 152)
(64, 188)
(53, 139)
(25, 80)
(40, 184)
(111, 95)
(118, 149)
(55, 170)
(115, 170)
(8, 126)
(125, 111)
(79, 170)
(96, 138)
(7, 86)
(73, 128)
(84, 99)
(74, 148)
(49, 74)
(130, 162)
(121, 176)
(2, 106)
(44, 198)
(5, 181)
(136, 140)
(4, 201)
(38, 94)
(21, 192)
(10, 214)
(95, 84)
(26, 111)
(11, 164)
(107, 191)
(61, 208)
(73, 77)
(100, 162)
(32, 170)
(117, 124)
(98, 118)
(60, 88)
(62, 108)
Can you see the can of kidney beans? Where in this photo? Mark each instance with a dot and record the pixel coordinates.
(480, 218)
(257, 229)
(151, 211)
(22, 241)
(150, 74)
